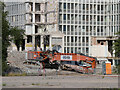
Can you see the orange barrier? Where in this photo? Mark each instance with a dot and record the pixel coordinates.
(108, 68)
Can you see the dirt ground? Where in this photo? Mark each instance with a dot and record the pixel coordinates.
(61, 81)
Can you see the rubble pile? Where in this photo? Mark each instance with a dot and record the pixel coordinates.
(15, 60)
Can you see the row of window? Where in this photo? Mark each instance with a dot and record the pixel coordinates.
(88, 6)
(76, 39)
(86, 18)
(76, 50)
(75, 28)
(89, 11)
(88, 30)
(17, 18)
(92, 1)
(16, 9)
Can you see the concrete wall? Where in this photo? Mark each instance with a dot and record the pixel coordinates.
(100, 51)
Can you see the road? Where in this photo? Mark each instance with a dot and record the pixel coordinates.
(61, 81)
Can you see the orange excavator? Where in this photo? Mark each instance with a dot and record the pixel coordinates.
(69, 61)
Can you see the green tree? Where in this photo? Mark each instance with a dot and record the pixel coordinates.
(17, 36)
(5, 37)
(117, 46)
(117, 51)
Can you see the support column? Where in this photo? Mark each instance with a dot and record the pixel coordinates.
(50, 43)
(33, 26)
(25, 44)
(62, 44)
(33, 42)
(33, 36)
(42, 45)
(106, 49)
(113, 55)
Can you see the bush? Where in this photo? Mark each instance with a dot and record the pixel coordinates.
(116, 70)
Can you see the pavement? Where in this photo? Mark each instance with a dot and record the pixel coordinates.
(61, 81)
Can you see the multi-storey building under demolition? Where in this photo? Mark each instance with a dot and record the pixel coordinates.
(87, 26)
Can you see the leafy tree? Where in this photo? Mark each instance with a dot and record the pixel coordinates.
(117, 46)
(17, 36)
(117, 51)
(5, 36)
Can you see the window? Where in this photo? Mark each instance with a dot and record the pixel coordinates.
(87, 29)
(72, 17)
(83, 28)
(72, 6)
(87, 6)
(75, 28)
(76, 18)
(90, 17)
(98, 7)
(112, 7)
(75, 50)
(64, 17)
(79, 17)
(68, 17)
(98, 18)
(90, 28)
(79, 6)
(60, 27)
(101, 29)
(102, 7)
(68, 28)
(83, 50)
(83, 6)
(101, 18)
(72, 29)
(83, 39)
(36, 29)
(68, 5)
(72, 39)
(17, 18)
(64, 28)
(79, 50)
(87, 17)
(87, 39)
(98, 29)
(71, 49)
(87, 50)
(13, 18)
(60, 17)
(29, 39)
(60, 6)
(68, 39)
(76, 6)
(79, 28)
(91, 6)
(65, 49)
(79, 39)
(64, 5)
(37, 7)
(83, 17)
(75, 39)
(65, 39)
